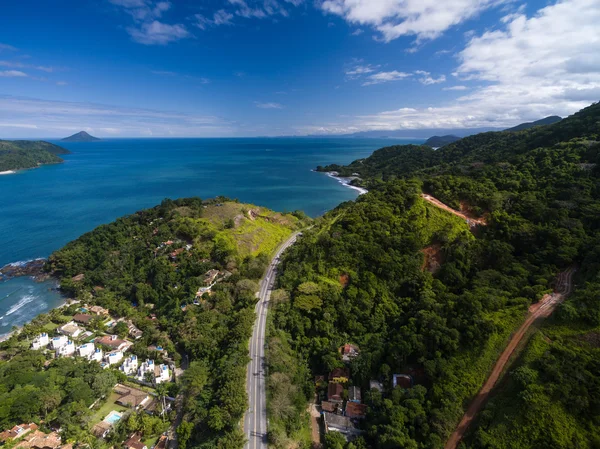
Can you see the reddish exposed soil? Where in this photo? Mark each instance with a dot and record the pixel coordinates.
(344, 279)
(433, 258)
(542, 309)
(472, 221)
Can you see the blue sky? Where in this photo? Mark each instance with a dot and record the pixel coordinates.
(291, 67)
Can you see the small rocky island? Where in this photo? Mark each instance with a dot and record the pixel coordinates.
(81, 136)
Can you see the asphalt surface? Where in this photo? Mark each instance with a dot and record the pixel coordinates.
(255, 420)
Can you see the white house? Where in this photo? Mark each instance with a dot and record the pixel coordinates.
(86, 349)
(66, 350)
(146, 367)
(41, 341)
(71, 329)
(96, 356)
(59, 342)
(130, 365)
(162, 374)
(114, 357)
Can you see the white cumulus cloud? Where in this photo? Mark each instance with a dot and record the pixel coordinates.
(425, 19)
(530, 67)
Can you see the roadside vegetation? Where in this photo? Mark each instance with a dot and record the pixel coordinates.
(362, 280)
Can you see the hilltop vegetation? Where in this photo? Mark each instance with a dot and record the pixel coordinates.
(148, 268)
(539, 192)
(440, 141)
(21, 154)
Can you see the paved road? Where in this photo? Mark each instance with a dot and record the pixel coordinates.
(543, 309)
(255, 420)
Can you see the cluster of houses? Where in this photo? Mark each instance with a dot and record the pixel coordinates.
(64, 346)
(343, 410)
(29, 437)
(146, 370)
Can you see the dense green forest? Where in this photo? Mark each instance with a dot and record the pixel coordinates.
(148, 267)
(362, 276)
(20, 154)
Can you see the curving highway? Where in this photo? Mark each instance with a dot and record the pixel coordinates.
(255, 420)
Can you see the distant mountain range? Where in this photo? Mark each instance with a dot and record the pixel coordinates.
(81, 136)
(545, 121)
(443, 132)
(440, 141)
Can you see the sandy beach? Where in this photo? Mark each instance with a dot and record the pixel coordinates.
(346, 182)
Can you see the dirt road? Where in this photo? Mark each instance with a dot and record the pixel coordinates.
(542, 309)
(471, 221)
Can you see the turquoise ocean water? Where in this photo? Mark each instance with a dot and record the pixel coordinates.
(42, 209)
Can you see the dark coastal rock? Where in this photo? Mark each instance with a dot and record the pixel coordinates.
(33, 268)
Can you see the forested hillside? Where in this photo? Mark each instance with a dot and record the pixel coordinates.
(20, 154)
(185, 273)
(363, 277)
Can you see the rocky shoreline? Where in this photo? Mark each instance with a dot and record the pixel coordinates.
(31, 268)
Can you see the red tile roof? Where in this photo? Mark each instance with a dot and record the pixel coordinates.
(354, 410)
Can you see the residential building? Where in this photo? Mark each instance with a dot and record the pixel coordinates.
(130, 365)
(331, 407)
(135, 442)
(71, 329)
(58, 342)
(41, 440)
(114, 357)
(402, 380)
(341, 424)
(146, 367)
(97, 310)
(376, 385)
(114, 342)
(66, 350)
(211, 276)
(339, 375)
(41, 341)
(134, 331)
(82, 318)
(96, 356)
(17, 432)
(349, 352)
(202, 290)
(132, 397)
(356, 411)
(334, 392)
(162, 442)
(354, 395)
(86, 350)
(162, 374)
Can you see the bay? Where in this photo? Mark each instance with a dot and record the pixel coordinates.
(43, 209)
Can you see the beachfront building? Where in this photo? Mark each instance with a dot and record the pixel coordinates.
(58, 342)
(162, 374)
(96, 356)
(113, 357)
(71, 329)
(86, 350)
(66, 350)
(41, 341)
(130, 365)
